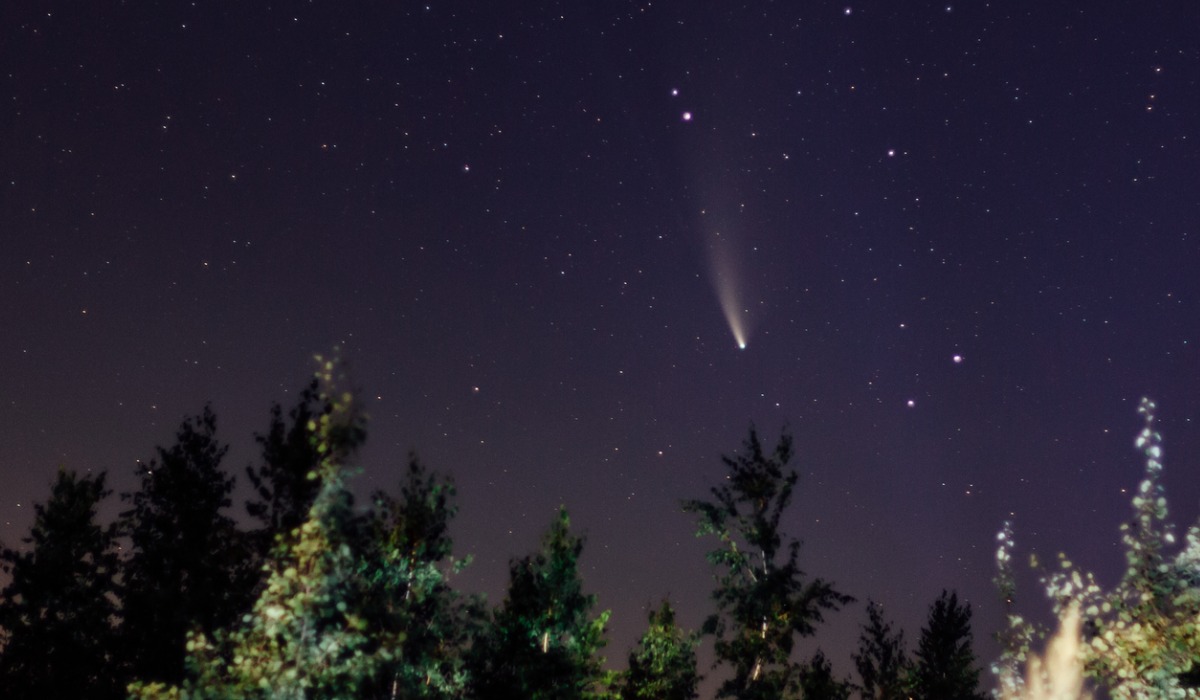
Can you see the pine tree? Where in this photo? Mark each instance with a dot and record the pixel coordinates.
(309, 635)
(883, 667)
(58, 611)
(663, 666)
(408, 563)
(543, 643)
(817, 681)
(945, 662)
(764, 601)
(188, 567)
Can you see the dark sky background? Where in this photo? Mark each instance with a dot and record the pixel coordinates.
(520, 219)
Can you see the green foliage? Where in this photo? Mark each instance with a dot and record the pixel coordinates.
(663, 666)
(308, 636)
(763, 600)
(1142, 637)
(817, 681)
(883, 667)
(543, 643)
(944, 667)
(57, 613)
(406, 569)
(189, 564)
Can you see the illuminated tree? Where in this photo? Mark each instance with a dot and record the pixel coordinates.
(407, 565)
(543, 643)
(309, 635)
(764, 601)
(1142, 637)
(663, 666)
(58, 611)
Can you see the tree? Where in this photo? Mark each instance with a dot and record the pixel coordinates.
(1141, 638)
(285, 483)
(309, 635)
(189, 565)
(663, 666)
(543, 643)
(764, 601)
(817, 681)
(407, 565)
(945, 662)
(883, 667)
(58, 611)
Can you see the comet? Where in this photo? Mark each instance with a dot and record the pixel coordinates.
(724, 273)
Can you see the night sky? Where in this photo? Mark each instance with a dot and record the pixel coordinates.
(960, 241)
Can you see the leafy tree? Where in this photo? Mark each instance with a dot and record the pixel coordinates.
(406, 571)
(817, 681)
(883, 667)
(58, 611)
(189, 563)
(284, 483)
(663, 666)
(945, 662)
(543, 643)
(764, 601)
(1141, 637)
(309, 634)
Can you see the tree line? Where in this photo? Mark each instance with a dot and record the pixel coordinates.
(312, 596)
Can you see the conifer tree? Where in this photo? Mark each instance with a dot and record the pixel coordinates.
(945, 661)
(663, 666)
(190, 565)
(883, 666)
(543, 643)
(406, 571)
(764, 601)
(58, 611)
(284, 482)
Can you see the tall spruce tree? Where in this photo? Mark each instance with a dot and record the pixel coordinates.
(408, 562)
(58, 611)
(543, 643)
(945, 661)
(663, 666)
(883, 667)
(310, 634)
(764, 601)
(190, 567)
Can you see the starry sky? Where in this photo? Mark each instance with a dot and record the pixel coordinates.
(959, 241)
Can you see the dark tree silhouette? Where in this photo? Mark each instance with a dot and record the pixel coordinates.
(945, 663)
(543, 643)
(663, 666)
(58, 612)
(817, 681)
(189, 566)
(285, 482)
(764, 601)
(883, 667)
